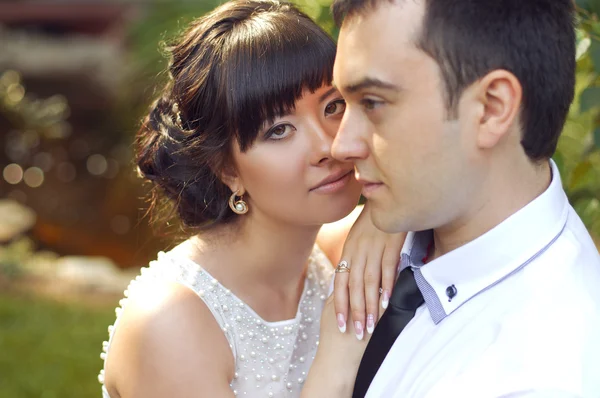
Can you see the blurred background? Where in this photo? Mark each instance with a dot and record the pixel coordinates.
(76, 76)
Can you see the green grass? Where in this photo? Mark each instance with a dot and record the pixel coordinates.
(50, 349)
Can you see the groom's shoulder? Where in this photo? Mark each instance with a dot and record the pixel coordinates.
(560, 309)
(552, 334)
(560, 292)
(568, 271)
(576, 241)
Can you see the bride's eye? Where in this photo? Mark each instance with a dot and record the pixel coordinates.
(335, 107)
(279, 132)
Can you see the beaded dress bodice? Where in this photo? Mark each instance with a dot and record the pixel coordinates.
(271, 358)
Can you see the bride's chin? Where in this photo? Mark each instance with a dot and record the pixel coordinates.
(336, 212)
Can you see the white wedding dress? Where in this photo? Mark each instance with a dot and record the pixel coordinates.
(271, 358)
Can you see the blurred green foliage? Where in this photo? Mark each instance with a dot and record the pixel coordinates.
(44, 117)
(13, 256)
(50, 350)
(578, 154)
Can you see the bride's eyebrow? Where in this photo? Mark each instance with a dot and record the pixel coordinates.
(327, 94)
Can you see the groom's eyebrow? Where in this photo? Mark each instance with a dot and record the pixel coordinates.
(370, 82)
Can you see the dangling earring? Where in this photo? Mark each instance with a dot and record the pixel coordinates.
(239, 206)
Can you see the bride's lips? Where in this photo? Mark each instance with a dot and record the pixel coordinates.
(333, 183)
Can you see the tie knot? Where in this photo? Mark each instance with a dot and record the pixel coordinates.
(406, 294)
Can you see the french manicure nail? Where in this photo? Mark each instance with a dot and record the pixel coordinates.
(358, 329)
(370, 323)
(341, 323)
(385, 299)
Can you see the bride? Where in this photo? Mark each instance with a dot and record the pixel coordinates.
(239, 142)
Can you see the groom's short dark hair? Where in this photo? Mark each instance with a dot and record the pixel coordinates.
(533, 39)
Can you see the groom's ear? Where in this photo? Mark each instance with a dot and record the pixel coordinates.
(500, 95)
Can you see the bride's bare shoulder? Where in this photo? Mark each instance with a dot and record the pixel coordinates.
(332, 236)
(167, 343)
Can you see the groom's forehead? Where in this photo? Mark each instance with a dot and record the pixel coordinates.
(368, 56)
(386, 27)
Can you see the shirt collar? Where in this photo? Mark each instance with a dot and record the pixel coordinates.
(478, 265)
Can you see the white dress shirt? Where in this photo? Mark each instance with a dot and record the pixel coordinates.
(514, 313)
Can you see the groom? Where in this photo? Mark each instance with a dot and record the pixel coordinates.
(454, 109)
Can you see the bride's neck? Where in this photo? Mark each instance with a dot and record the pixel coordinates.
(258, 252)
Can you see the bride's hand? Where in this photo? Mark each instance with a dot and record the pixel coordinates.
(373, 257)
(334, 369)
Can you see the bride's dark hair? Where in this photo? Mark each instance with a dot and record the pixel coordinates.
(236, 68)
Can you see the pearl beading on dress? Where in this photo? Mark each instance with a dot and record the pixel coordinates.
(271, 358)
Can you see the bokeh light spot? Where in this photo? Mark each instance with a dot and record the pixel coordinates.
(97, 165)
(33, 177)
(15, 94)
(13, 174)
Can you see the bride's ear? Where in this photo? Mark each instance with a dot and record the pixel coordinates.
(231, 178)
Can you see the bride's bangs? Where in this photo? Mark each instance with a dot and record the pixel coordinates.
(269, 66)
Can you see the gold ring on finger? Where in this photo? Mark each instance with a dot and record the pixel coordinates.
(343, 266)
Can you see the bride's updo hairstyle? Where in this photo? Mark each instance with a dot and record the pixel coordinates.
(233, 70)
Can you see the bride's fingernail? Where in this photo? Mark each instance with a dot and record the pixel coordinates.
(385, 299)
(341, 323)
(370, 323)
(358, 329)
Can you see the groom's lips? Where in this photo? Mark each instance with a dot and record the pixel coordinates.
(369, 186)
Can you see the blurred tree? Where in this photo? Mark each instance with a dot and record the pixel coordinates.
(45, 118)
(147, 60)
(578, 154)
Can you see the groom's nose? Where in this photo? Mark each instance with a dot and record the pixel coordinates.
(349, 144)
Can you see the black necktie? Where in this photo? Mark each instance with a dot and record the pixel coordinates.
(405, 300)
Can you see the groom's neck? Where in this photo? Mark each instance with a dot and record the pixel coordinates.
(507, 189)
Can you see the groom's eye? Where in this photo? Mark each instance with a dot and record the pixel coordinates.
(370, 104)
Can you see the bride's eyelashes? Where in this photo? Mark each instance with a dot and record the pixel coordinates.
(335, 107)
(279, 132)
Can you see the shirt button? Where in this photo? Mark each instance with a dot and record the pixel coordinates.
(451, 291)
